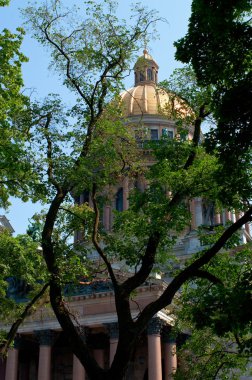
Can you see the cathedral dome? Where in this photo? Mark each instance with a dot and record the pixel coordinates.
(146, 98)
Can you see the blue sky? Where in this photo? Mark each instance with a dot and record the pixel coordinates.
(42, 81)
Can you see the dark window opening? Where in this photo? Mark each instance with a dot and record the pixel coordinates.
(183, 135)
(154, 134)
(208, 214)
(167, 133)
(142, 77)
(149, 74)
(85, 196)
(119, 199)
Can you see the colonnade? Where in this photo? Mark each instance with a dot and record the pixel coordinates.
(159, 341)
(158, 333)
(220, 217)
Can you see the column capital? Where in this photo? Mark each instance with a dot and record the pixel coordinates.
(167, 335)
(98, 341)
(45, 337)
(18, 341)
(113, 330)
(154, 326)
(84, 333)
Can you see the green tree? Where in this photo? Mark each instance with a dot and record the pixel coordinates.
(15, 173)
(218, 46)
(217, 315)
(89, 147)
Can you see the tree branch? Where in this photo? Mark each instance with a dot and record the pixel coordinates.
(76, 340)
(26, 313)
(49, 154)
(68, 62)
(149, 257)
(208, 276)
(166, 298)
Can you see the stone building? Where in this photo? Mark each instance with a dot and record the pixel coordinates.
(41, 350)
(5, 224)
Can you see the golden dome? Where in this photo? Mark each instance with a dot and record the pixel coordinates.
(144, 99)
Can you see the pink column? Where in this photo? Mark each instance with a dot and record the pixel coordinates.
(154, 350)
(46, 338)
(98, 342)
(78, 369)
(113, 334)
(217, 218)
(99, 356)
(228, 216)
(112, 349)
(107, 212)
(44, 369)
(11, 371)
(233, 217)
(170, 356)
(2, 368)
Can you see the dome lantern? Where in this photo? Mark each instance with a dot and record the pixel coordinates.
(146, 70)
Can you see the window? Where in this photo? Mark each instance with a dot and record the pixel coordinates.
(119, 199)
(83, 198)
(167, 133)
(85, 195)
(183, 135)
(208, 213)
(142, 77)
(154, 134)
(149, 74)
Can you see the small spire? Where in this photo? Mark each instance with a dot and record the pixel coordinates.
(145, 51)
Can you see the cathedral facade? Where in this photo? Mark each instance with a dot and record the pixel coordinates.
(41, 349)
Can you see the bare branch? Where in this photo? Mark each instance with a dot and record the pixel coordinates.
(68, 63)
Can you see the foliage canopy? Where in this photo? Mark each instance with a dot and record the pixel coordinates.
(90, 146)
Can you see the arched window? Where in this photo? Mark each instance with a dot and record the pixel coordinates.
(149, 74)
(82, 198)
(119, 199)
(154, 134)
(208, 213)
(85, 196)
(142, 77)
